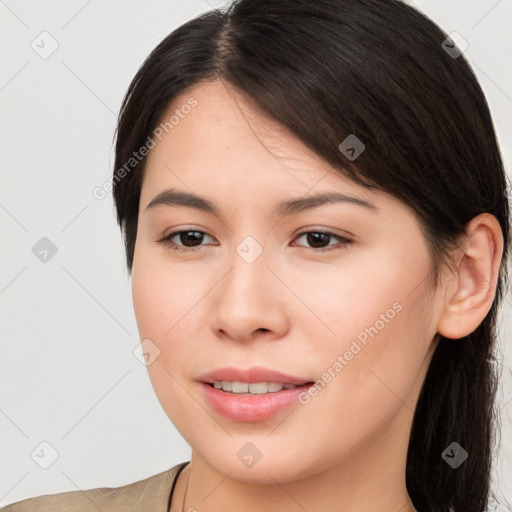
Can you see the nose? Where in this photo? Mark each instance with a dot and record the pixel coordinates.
(250, 301)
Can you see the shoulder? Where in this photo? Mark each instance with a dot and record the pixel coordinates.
(149, 494)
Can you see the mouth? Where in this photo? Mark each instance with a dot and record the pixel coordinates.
(244, 406)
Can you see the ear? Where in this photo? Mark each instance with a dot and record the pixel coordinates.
(470, 294)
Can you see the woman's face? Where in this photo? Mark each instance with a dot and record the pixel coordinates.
(254, 290)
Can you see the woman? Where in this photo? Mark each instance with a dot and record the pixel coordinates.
(331, 344)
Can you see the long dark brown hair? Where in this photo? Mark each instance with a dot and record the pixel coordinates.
(382, 71)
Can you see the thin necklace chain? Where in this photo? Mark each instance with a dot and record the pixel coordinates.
(186, 490)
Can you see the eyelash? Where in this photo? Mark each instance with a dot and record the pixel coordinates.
(166, 241)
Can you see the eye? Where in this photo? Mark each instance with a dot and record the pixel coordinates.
(189, 236)
(317, 238)
(191, 239)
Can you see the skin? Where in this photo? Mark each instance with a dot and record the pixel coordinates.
(346, 449)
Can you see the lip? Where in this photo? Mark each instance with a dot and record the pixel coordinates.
(252, 375)
(252, 408)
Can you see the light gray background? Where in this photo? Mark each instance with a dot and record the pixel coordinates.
(68, 373)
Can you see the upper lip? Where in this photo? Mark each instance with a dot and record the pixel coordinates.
(251, 375)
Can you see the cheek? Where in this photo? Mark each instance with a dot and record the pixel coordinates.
(370, 368)
(351, 295)
(375, 326)
(163, 295)
(169, 305)
(161, 315)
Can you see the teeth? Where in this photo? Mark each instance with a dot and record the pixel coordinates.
(253, 388)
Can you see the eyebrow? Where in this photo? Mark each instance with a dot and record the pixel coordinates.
(173, 197)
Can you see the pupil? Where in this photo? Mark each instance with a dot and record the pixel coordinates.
(315, 238)
(186, 234)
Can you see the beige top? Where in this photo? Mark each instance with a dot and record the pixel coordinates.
(148, 495)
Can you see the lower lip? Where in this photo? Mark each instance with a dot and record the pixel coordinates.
(252, 408)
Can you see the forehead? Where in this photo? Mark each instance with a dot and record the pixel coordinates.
(226, 136)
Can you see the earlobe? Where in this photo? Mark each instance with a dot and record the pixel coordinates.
(472, 290)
